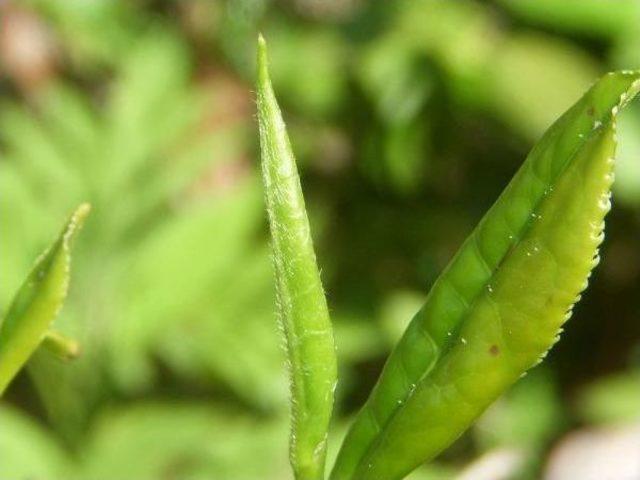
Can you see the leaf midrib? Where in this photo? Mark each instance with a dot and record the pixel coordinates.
(451, 341)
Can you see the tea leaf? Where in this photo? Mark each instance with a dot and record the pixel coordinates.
(500, 304)
(301, 303)
(37, 302)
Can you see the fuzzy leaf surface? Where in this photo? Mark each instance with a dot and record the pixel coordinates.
(302, 306)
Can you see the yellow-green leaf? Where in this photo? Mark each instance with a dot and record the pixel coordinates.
(37, 302)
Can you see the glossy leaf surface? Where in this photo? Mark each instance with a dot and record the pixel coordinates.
(301, 303)
(37, 303)
(500, 303)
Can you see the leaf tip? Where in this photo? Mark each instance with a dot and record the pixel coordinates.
(76, 222)
(263, 61)
(81, 213)
(262, 43)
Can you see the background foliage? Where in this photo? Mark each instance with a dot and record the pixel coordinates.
(408, 118)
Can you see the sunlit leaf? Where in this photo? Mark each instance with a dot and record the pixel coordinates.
(499, 306)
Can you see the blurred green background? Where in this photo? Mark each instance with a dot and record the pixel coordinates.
(408, 119)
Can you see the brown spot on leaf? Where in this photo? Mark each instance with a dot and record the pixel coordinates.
(494, 350)
(591, 111)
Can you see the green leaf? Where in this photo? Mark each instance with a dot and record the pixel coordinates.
(500, 304)
(38, 301)
(301, 303)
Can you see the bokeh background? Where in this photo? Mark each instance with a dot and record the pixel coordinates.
(408, 118)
